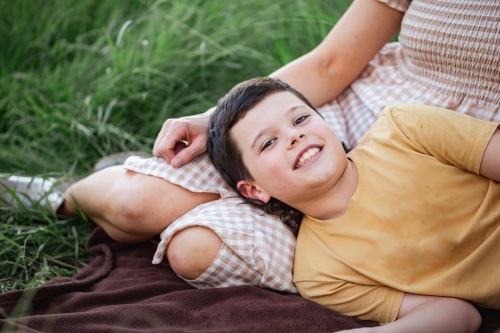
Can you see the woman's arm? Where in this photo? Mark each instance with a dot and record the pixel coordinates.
(320, 75)
(428, 314)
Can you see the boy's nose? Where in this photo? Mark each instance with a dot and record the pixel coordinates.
(295, 137)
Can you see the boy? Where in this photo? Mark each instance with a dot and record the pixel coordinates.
(401, 229)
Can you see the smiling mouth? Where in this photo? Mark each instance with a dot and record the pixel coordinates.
(307, 156)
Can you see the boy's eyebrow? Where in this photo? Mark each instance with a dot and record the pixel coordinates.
(262, 132)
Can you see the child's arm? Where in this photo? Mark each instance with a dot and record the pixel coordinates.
(428, 314)
(490, 165)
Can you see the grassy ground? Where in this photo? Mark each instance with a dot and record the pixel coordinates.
(83, 79)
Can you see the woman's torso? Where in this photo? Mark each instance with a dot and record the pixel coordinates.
(454, 47)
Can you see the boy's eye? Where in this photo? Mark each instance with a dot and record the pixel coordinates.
(267, 144)
(300, 119)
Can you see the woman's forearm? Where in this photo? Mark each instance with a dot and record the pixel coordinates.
(322, 74)
(310, 75)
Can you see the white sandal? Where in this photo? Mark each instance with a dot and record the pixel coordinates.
(31, 191)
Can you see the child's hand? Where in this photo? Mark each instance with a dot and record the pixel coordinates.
(430, 314)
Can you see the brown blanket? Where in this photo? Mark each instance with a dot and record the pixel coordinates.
(121, 291)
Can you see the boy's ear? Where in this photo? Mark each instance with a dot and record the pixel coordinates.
(250, 191)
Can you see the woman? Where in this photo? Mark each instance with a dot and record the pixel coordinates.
(448, 57)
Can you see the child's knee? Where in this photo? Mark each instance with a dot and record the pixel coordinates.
(192, 250)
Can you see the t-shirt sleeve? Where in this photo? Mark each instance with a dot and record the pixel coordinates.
(375, 303)
(451, 137)
(401, 5)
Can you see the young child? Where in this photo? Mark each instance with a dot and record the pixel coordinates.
(403, 228)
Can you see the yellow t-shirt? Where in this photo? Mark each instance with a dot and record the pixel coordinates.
(417, 222)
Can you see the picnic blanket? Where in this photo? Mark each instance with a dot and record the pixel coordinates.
(121, 291)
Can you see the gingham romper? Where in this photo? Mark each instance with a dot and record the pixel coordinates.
(448, 55)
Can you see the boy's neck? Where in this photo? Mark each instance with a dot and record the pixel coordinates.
(333, 203)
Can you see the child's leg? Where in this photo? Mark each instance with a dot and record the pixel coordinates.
(130, 207)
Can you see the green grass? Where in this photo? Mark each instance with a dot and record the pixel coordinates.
(83, 79)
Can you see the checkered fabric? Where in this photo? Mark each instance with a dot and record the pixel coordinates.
(401, 5)
(257, 248)
(383, 83)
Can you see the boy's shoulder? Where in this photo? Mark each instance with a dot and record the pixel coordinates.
(419, 119)
(402, 118)
(402, 113)
(409, 113)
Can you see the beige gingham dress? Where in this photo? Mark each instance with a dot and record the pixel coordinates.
(448, 55)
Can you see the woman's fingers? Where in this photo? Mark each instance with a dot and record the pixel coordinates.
(181, 140)
(187, 153)
(170, 134)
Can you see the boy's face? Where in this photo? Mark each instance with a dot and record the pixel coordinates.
(289, 150)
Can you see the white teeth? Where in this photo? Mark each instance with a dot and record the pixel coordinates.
(306, 156)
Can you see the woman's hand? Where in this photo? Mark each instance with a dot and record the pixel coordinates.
(180, 140)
